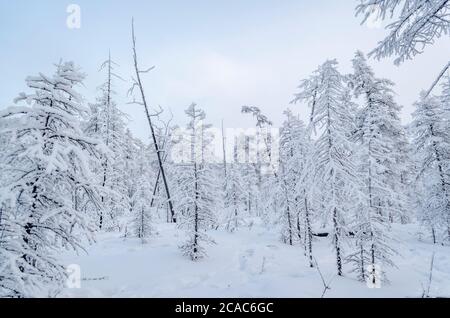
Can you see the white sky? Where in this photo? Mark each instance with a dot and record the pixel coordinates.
(220, 54)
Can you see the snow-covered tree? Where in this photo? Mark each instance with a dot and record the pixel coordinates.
(133, 167)
(235, 197)
(47, 161)
(293, 152)
(417, 24)
(376, 133)
(335, 173)
(248, 171)
(200, 190)
(107, 123)
(377, 91)
(302, 165)
(142, 211)
(432, 142)
(266, 167)
(138, 84)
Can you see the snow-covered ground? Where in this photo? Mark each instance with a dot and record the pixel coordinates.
(250, 263)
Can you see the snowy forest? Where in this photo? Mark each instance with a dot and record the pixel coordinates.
(348, 201)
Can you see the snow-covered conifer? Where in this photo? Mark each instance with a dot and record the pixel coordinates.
(235, 197)
(107, 123)
(201, 190)
(142, 211)
(335, 173)
(417, 24)
(432, 142)
(48, 160)
(377, 135)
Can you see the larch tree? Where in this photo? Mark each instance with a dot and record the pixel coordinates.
(377, 91)
(107, 123)
(376, 134)
(142, 211)
(200, 190)
(432, 142)
(302, 165)
(416, 25)
(235, 197)
(295, 152)
(335, 173)
(248, 169)
(47, 161)
(132, 168)
(267, 168)
(292, 155)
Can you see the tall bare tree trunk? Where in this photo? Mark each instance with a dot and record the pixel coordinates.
(138, 83)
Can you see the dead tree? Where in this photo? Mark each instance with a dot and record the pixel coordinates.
(137, 82)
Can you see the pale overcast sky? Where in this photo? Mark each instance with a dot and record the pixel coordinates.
(221, 54)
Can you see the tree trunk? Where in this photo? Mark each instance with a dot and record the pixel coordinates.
(362, 264)
(309, 236)
(196, 218)
(443, 181)
(299, 230)
(155, 142)
(337, 242)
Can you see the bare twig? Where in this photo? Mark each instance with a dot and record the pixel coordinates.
(148, 70)
(326, 285)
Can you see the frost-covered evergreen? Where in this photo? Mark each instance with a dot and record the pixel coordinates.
(417, 24)
(305, 189)
(142, 211)
(292, 154)
(349, 172)
(248, 172)
(335, 173)
(133, 166)
(200, 190)
(379, 92)
(47, 159)
(107, 123)
(432, 142)
(266, 169)
(235, 198)
(377, 135)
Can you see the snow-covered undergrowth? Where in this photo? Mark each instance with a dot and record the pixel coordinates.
(249, 263)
